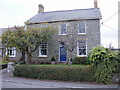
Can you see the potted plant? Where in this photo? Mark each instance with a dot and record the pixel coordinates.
(52, 60)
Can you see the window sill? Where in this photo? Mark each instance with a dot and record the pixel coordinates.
(11, 56)
(44, 56)
(82, 55)
(62, 34)
(81, 33)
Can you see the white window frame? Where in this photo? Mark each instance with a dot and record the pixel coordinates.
(13, 52)
(78, 49)
(61, 30)
(40, 55)
(79, 28)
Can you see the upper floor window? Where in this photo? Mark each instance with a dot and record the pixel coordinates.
(43, 50)
(11, 52)
(82, 48)
(82, 28)
(63, 29)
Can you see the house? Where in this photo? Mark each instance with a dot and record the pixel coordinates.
(2, 30)
(78, 31)
(1, 54)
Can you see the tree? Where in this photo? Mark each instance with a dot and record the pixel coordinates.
(35, 37)
(15, 37)
(69, 41)
(27, 41)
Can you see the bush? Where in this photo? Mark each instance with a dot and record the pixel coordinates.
(105, 64)
(98, 54)
(80, 60)
(52, 59)
(103, 72)
(62, 73)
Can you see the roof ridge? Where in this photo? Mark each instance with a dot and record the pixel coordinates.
(69, 10)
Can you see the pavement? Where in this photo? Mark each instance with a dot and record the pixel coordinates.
(17, 82)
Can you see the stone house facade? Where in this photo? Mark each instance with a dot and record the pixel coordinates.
(77, 32)
(78, 29)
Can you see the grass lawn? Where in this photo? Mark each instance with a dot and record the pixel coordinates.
(64, 65)
(3, 62)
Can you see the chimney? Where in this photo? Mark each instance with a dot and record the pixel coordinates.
(95, 4)
(41, 8)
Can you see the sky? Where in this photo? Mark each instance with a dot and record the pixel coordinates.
(16, 12)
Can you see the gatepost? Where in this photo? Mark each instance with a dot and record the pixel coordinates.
(10, 68)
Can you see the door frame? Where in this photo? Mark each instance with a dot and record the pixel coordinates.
(59, 54)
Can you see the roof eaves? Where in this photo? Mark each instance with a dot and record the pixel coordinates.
(53, 21)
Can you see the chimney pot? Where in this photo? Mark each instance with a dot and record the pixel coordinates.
(41, 8)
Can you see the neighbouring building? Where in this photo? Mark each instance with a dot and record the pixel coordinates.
(79, 29)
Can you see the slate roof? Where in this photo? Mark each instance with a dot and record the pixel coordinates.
(2, 30)
(78, 14)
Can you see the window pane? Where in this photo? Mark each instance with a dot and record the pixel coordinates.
(43, 49)
(63, 29)
(10, 52)
(81, 27)
(82, 48)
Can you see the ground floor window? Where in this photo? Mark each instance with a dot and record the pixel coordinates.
(43, 50)
(11, 52)
(82, 48)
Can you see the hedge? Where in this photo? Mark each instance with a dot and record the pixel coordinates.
(80, 60)
(62, 73)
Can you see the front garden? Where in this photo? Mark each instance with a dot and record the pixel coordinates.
(99, 67)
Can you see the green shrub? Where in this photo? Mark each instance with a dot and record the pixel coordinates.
(105, 64)
(103, 72)
(62, 73)
(98, 54)
(80, 60)
(52, 59)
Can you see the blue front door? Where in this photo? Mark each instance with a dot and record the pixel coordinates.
(63, 53)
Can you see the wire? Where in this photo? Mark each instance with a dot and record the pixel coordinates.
(110, 17)
(110, 27)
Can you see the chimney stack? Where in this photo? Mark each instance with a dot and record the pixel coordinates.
(41, 8)
(95, 4)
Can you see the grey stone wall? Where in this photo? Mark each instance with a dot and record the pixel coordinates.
(92, 37)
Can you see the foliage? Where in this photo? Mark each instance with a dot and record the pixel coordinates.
(105, 63)
(115, 60)
(52, 59)
(103, 72)
(80, 60)
(15, 37)
(27, 41)
(6, 58)
(98, 54)
(82, 74)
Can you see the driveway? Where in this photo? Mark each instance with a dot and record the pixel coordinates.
(17, 82)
